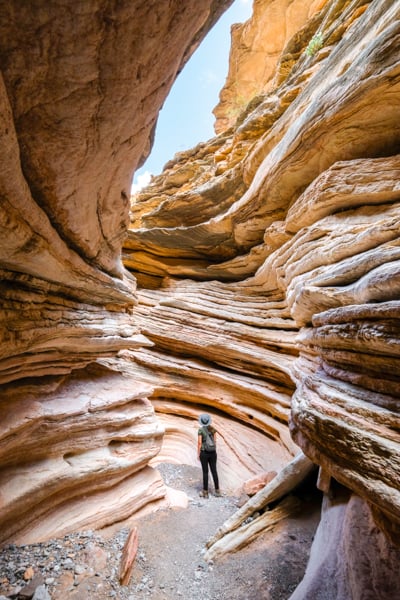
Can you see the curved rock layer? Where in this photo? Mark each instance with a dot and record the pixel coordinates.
(80, 89)
(70, 454)
(272, 252)
(267, 263)
(243, 453)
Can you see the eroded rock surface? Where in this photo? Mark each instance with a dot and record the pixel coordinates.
(273, 251)
(347, 530)
(256, 49)
(80, 445)
(80, 89)
(267, 263)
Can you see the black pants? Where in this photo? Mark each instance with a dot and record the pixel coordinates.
(209, 459)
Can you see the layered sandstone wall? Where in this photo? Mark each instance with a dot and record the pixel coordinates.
(267, 263)
(256, 48)
(81, 85)
(273, 251)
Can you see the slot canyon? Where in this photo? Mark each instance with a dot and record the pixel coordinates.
(257, 278)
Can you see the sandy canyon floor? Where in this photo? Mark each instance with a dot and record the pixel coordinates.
(169, 562)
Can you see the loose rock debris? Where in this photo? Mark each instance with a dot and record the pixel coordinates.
(169, 562)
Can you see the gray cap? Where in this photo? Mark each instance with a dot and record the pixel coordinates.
(204, 420)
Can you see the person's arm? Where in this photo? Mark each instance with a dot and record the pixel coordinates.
(199, 442)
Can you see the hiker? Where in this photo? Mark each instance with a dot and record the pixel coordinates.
(207, 453)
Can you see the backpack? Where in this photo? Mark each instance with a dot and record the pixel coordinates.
(208, 442)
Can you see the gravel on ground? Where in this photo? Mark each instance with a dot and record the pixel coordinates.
(170, 559)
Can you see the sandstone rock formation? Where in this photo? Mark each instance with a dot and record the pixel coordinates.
(256, 49)
(273, 252)
(80, 90)
(267, 267)
(348, 530)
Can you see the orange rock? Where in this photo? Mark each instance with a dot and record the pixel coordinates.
(256, 48)
(128, 556)
(252, 486)
(95, 557)
(29, 573)
(65, 582)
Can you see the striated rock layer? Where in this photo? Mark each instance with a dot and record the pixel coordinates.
(267, 263)
(80, 89)
(271, 255)
(256, 49)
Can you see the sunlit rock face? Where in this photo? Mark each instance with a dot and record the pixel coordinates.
(270, 255)
(256, 49)
(80, 89)
(81, 442)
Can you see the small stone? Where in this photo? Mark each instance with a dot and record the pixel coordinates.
(29, 573)
(68, 562)
(41, 593)
(66, 580)
(95, 557)
(87, 534)
(29, 590)
(79, 569)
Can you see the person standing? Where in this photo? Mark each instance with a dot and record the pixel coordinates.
(207, 453)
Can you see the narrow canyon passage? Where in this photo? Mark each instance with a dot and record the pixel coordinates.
(257, 278)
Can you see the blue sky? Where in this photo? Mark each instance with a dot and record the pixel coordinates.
(186, 117)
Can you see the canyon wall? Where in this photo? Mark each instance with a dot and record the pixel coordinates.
(264, 282)
(256, 48)
(80, 90)
(271, 254)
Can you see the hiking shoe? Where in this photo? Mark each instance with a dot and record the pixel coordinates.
(204, 494)
(217, 493)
